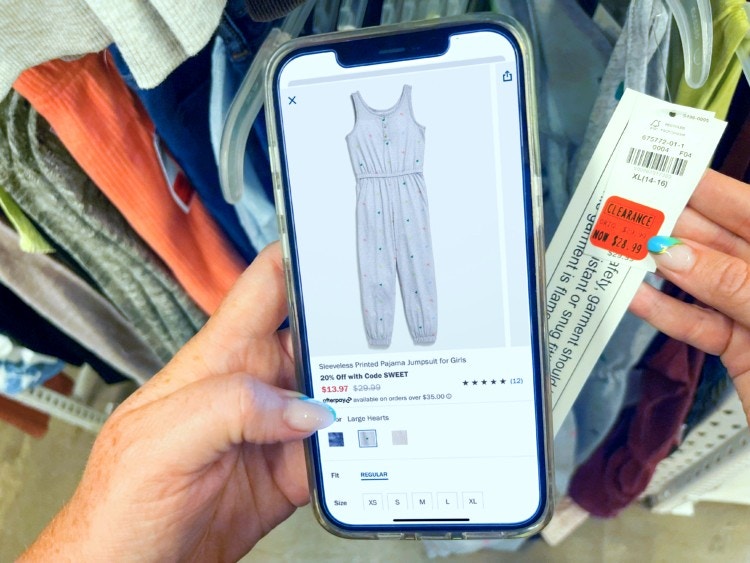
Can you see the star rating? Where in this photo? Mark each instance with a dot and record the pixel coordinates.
(477, 382)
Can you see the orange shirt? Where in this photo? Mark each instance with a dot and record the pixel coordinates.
(111, 136)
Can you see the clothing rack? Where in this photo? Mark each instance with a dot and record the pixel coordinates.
(711, 457)
(75, 409)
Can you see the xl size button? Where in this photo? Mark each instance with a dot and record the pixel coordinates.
(472, 500)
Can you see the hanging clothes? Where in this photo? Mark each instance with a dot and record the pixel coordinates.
(77, 309)
(48, 184)
(638, 62)
(732, 156)
(730, 26)
(267, 10)
(30, 239)
(622, 466)
(27, 327)
(238, 38)
(155, 36)
(178, 108)
(565, 93)
(107, 131)
(255, 208)
(574, 108)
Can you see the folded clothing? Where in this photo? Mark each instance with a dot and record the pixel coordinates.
(109, 133)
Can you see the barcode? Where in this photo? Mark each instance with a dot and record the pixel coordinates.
(657, 161)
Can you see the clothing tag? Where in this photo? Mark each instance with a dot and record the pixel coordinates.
(640, 177)
(653, 170)
(177, 181)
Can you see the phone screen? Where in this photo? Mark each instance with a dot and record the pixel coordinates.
(409, 218)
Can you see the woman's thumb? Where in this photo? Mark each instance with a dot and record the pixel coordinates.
(207, 417)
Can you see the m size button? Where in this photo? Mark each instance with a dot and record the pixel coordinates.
(421, 501)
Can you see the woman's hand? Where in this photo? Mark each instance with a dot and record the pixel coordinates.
(709, 257)
(206, 458)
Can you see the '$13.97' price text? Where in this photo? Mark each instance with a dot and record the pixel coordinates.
(334, 388)
(345, 388)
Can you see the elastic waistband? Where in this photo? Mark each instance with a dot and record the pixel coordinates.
(389, 174)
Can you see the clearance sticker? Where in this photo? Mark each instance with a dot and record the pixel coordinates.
(625, 226)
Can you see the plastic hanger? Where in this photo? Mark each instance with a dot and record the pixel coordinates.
(409, 11)
(325, 16)
(391, 11)
(247, 104)
(696, 29)
(455, 7)
(427, 9)
(431, 9)
(351, 14)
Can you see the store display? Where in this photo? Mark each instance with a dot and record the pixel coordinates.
(122, 275)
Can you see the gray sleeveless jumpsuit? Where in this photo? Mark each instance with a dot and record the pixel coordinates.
(393, 225)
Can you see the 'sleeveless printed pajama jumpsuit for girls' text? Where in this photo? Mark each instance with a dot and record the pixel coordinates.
(393, 225)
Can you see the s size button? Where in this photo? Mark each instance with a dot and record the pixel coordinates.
(397, 501)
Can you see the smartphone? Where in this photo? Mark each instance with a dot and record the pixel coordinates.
(409, 209)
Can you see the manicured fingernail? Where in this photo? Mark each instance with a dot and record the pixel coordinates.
(659, 245)
(671, 254)
(307, 415)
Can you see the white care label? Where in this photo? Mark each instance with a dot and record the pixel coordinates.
(640, 177)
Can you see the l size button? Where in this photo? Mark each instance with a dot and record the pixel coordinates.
(447, 501)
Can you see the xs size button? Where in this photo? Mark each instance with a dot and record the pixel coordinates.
(373, 501)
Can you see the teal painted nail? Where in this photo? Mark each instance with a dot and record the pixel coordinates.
(321, 403)
(308, 415)
(660, 244)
